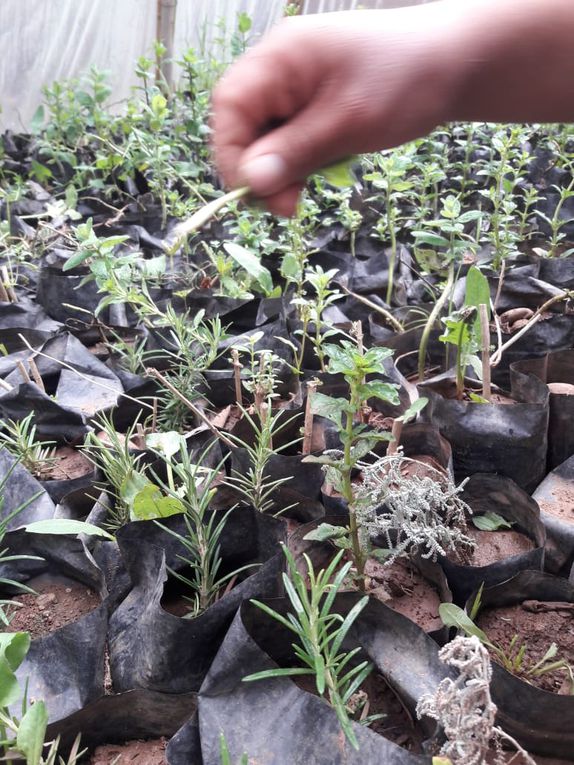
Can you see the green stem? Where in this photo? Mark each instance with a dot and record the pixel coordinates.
(393, 257)
(434, 314)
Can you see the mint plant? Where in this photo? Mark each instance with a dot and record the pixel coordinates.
(355, 363)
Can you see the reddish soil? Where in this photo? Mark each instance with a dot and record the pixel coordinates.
(493, 546)
(563, 492)
(401, 587)
(69, 464)
(131, 753)
(376, 697)
(55, 605)
(538, 629)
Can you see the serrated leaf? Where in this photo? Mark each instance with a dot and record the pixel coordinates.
(65, 526)
(329, 407)
(326, 531)
(490, 521)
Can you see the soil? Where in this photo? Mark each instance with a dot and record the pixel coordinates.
(493, 546)
(396, 725)
(59, 601)
(401, 587)
(563, 507)
(131, 753)
(69, 464)
(538, 628)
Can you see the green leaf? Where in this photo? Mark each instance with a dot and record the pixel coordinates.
(476, 399)
(168, 443)
(329, 407)
(150, 503)
(427, 237)
(477, 290)
(77, 259)
(268, 673)
(244, 22)
(416, 407)
(490, 521)
(325, 532)
(37, 122)
(377, 389)
(65, 526)
(31, 733)
(441, 761)
(251, 263)
(133, 483)
(339, 174)
(13, 649)
(454, 616)
(380, 554)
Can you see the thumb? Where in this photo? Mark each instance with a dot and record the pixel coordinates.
(312, 139)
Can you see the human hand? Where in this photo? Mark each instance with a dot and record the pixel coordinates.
(319, 88)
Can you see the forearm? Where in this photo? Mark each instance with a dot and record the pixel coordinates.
(515, 61)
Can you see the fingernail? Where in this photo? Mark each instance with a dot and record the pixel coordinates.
(264, 174)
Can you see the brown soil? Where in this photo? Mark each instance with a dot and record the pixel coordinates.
(401, 587)
(561, 388)
(131, 753)
(424, 466)
(396, 725)
(563, 507)
(70, 463)
(538, 629)
(56, 604)
(493, 546)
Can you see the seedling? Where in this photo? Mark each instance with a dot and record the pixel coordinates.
(193, 488)
(320, 633)
(19, 438)
(354, 362)
(513, 658)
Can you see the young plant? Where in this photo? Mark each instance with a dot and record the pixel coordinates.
(319, 634)
(24, 737)
(19, 438)
(556, 223)
(135, 497)
(514, 658)
(193, 488)
(226, 756)
(464, 330)
(414, 513)
(355, 363)
(312, 309)
(449, 244)
(255, 486)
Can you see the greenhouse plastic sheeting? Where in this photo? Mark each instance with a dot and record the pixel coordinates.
(47, 40)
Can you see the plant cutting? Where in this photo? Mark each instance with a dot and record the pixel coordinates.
(320, 634)
(354, 362)
(20, 440)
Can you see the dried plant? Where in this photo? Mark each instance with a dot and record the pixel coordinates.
(464, 707)
(417, 513)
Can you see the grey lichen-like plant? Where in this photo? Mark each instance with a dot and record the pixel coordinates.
(418, 513)
(464, 707)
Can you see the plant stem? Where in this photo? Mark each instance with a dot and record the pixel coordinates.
(396, 432)
(393, 257)
(434, 314)
(485, 351)
(308, 426)
(237, 376)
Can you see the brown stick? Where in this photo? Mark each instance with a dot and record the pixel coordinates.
(237, 376)
(36, 374)
(151, 372)
(377, 308)
(24, 372)
(3, 294)
(5, 386)
(396, 433)
(8, 286)
(308, 425)
(485, 351)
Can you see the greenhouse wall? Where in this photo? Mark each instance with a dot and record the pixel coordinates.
(47, 40)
